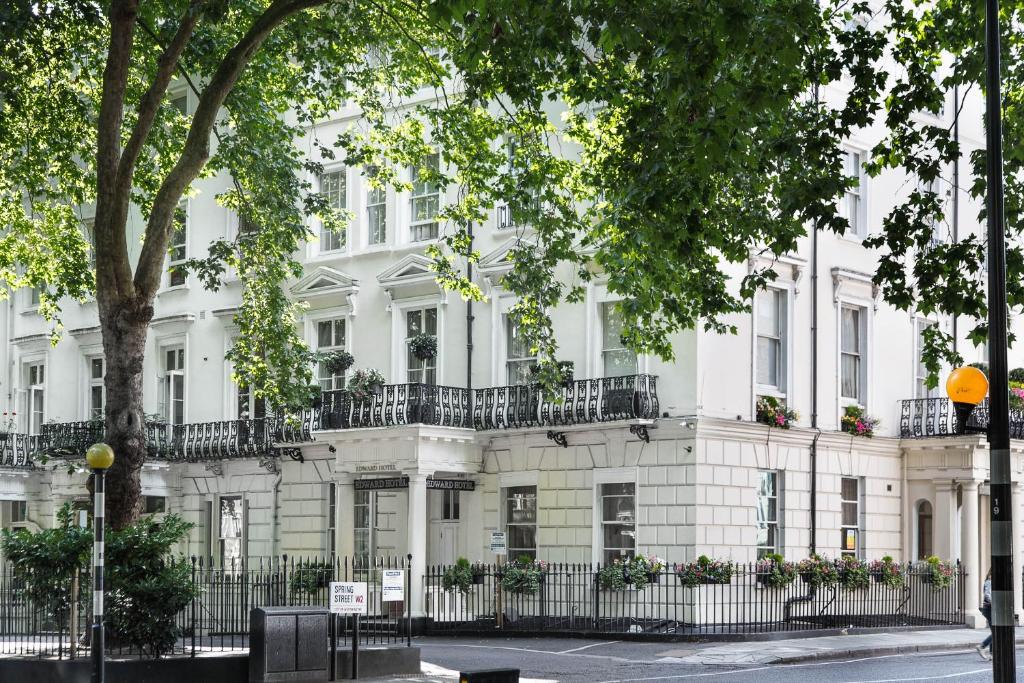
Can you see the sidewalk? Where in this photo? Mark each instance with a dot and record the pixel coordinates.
(835, 647)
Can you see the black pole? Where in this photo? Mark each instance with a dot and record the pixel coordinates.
(98, 665)
(814, 377)
(1003, 654)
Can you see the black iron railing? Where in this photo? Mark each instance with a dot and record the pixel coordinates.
(578, 402)
(922, 418)
(17, 450)
(216, 620)
(69, 438)
(572, 598)
(396, 404)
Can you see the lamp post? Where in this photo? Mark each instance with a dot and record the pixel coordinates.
(99, 457)
(967, 387)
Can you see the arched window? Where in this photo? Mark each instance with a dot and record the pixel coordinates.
(924, 529)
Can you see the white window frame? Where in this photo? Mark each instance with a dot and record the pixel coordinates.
(779, 522)
(602, 307)
(243, 536)
(371, 522)
(865, 353)
(597, 294)
(858, 526)
(343, 171)
(436, 361)
(506, 322)
(166, 396)
(399, 346)
(612, 475)
(920, 325)
(513, 480)
(33, 425)
(858, 228)
(413, 223)
(334, 379)
(94, 383)
(312, 320)
(168, 285)
(785, 295)
(369, 193)
(331, 540)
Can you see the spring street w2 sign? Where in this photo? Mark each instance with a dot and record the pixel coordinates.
(348, 597)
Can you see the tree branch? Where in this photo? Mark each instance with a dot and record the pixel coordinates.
(149, 106)
(114, 272)
(197, 145)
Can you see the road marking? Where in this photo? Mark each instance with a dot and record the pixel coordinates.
(928, 678)
(567, 653)
(587, 647)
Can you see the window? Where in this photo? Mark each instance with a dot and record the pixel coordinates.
(376, 212)
(426, 200)
(768, 527)
(333, 188)
(618, 521)
(247, 227)
(154, 505)
(851, 542)
(232, 527)
(363, 541)
(521, 520)
(89, 228)
(927, 189)
(97, 392)
(14, 512)
(180, 102)
(852, 354)
(852, 205)
(771, 339)
(332, 519)
(173, 392)
(518, 359)
(924, 530)
(330, 336)
(34, 296)
(178, 250)
(518, 212)
(615, 357)
(250, 406)
(921, 389)
(420, 321)
(449, 505)
(36, 396)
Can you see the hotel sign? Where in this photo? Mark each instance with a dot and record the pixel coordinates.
(382, 483)
(451, 484)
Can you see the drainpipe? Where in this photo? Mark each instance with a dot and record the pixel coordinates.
(274, 535)
(956, 185)
(469, 319)
(814, 378)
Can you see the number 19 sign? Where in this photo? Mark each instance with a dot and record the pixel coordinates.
(348, 597)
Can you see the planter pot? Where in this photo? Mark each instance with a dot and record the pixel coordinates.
(927, 578)
(376, 388)
(478, 579)
(654, 577)
(806, 577)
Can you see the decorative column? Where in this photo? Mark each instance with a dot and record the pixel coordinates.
(345, 523)
(417, 543)
(1018, 550)
(944, 521)
(975, 565)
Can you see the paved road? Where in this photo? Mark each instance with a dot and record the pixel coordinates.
(584, 661)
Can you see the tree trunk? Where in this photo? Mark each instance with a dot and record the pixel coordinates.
(124, 326)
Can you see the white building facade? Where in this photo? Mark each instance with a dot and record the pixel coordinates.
(641, 456)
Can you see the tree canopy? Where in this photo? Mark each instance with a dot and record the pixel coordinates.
(701, 138)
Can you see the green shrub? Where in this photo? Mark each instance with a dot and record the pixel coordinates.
(611, 577)
(310, 577)
(523, 576)
(458, 577)
(853, 574)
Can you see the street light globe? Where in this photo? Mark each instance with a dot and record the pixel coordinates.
(967, 385)
(100, 456)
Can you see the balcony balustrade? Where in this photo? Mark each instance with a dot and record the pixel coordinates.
(578, 402)
(923, 418)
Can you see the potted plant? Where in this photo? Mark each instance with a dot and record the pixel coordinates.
(888, 572)
(337, 362)
(365, 383)
(853, 574)
(310, 577)
(818, 571)
(642, 570)
(774, 571)
(612, 576)
(937, 572)
(423, 346)
(479, 572)
(857, 422)
(705, 571)
(458, 577)
(566, 369)
(774, 413)
(523, 576)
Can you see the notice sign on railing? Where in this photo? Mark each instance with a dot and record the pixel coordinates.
(348, 597)
(392, 587)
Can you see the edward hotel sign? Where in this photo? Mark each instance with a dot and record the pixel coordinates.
(402, 482)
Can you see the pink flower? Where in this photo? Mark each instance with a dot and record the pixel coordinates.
(779, 419)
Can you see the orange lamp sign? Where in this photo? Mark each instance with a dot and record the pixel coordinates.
(967, 385)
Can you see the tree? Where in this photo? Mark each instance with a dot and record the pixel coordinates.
(699, 139)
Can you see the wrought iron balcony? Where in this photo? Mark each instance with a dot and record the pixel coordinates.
(580, 401)
(17, 450)
(397, 404)
(223, 440)
(61, 439)
(922, 418)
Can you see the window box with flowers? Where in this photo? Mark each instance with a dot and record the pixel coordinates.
(938, 573)
(460, 577)
(774, 571)
(818, 571)
(886, 571)
(1016, 395)
(643, 570)
(774, 413)
(853, 574)
(366, 383)
(705, 571)
(855, 421)
(523, 576)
